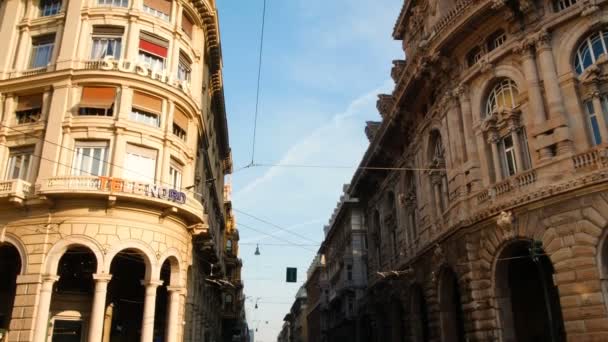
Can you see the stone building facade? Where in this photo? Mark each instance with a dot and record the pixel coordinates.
(491, 225)
(114, 147)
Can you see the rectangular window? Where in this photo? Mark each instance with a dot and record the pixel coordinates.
(508, 152)
(29, 108)
(158, 8)
(594, 126)
(146, 109)
(349, 272)
(563, 4)
(97, 101)
(49, 7)
(113, 3)
(42, 50)
(184, 68)
(175, 173)
(90, 158)
(140, 164)
(107, 41)
(180, 124)
(187, 25)
(19, 163)
(153, 51)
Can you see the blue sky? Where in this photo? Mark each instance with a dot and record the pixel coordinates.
(324, 64)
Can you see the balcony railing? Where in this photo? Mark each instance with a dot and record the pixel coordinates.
(15, 188)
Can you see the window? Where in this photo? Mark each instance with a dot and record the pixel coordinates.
(29, 109)
(508, 152)
(153, 51)
(90, 158)
(158, 8)
(184, 68)
(496, 39)
(229, 246)
(113, 3)
(503, 95)
(474, 56)
(107, 41)
(590, 50)
(562, 4)
(349, 272)
(175, 173)
(42, 50)
(180, 124)
(146, 109)
(19, 163)
(187, 24)
(140, 164)
(49, 7)
(97, 101)
(592, 121)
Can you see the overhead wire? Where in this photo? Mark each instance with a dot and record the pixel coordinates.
(257, 96)
(282, 229)
(275, 237)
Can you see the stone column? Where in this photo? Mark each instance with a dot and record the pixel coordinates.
(21, 55)
(54, 131)
(69, 40)
(173, 314)
(535, 96)
(132, 44)
(552, 89)
(96, 321)
(7, 32)
(44, 306)
(518, 148)
(147, 324)
(437, 194)
(455, 133)
(494, 141)
(467, 122)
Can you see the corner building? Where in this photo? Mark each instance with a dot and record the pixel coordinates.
(492, 225)
(113, 151)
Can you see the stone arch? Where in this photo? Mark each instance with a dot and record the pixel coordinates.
(602, 262)
(175, 262)
(59, 249)
(487, 81)
(16, 242)
(11, 266)
(451, 315)
(569, 43)
(147, 253)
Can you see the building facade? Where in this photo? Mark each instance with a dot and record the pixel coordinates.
(316, 301)
(114, 147)
(490, 224)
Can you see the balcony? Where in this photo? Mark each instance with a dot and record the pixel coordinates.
(16, 190)
(171, 200)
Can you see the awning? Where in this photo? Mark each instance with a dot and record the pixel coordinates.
(98, 97)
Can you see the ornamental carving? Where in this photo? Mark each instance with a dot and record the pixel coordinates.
(397, 70)
(385, 105)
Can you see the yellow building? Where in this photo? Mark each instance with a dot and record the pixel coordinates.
(113, 147)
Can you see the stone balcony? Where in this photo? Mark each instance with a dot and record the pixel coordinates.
(171, 201)
(15, 190)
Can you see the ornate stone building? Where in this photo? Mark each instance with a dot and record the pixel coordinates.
(491, 225)
(113, 145)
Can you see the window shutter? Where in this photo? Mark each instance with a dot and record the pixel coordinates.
(108, 30)
(97, 97)
(180, 119)
(147, 102)
(29, 102)
(187, 24)
(163, 6)
(153, 45)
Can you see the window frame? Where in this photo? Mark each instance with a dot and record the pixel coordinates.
(139, 152)
(21, 151)
(498, 90)
(108, 38)
(48, 41)
(77, 168)
(593, 124)
(507, 152)
(560, 5)
(176, 173)
(587, 47)
(138, 115)
(113, 3)
(49, 7)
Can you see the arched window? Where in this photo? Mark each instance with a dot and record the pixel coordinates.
(590, 50)
(503, 95)
(474, 56)
(438, 176)
(559, 5)
(496, 39)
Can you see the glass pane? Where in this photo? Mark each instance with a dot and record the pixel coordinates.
(95, 169)
(586, 57)
(512, 168)
(598, 48)
(595, 130)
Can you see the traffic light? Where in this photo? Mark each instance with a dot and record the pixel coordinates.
(536, 250)
(292, 274)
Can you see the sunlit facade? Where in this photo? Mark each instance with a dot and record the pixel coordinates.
(113, 151)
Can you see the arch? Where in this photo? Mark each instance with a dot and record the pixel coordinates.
(503, 94)
(419, 317)
(148, 255)
(602, 261)
(450, 306)
(488, 80)
(10, 267)
(526, 300)
(61, 246)
(571, 40)
(16, 242)
(172, 256)
(435, 148)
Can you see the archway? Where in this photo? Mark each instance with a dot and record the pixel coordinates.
(527, 299)
(167, 302)
(126, 297)
(419, 318)
(450, 307)
(10, 268)
(603, 262)
(73, 294)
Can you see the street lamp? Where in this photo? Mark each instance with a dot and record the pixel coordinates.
(257, 250)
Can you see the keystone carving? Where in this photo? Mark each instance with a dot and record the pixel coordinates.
(505, 220)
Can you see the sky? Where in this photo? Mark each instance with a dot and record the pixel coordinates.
(324, 63)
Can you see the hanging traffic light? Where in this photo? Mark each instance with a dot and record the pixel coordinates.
(292, 274)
